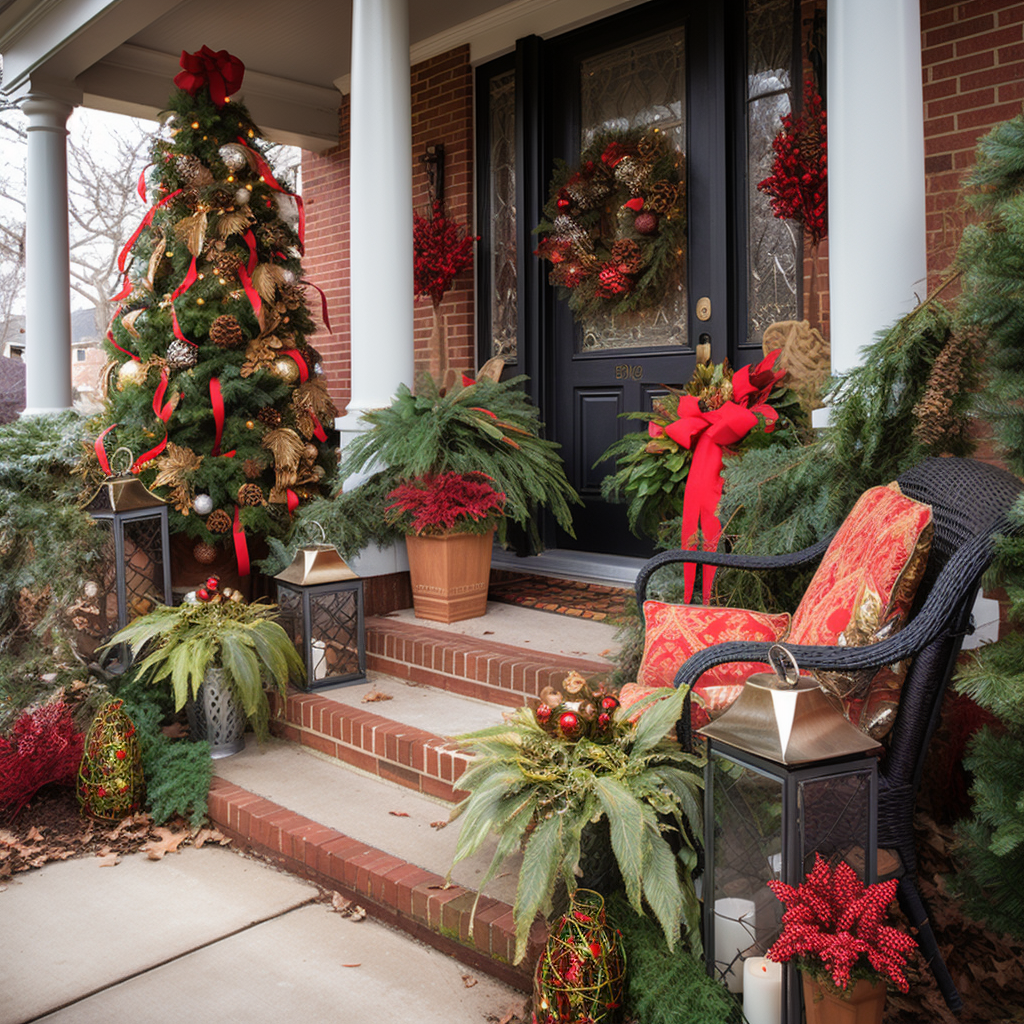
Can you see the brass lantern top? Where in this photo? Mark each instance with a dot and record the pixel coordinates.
(123, 493)
(319, 563)
(788, 719)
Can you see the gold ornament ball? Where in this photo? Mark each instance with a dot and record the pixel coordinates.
(285, 368)
(310, 452)
(249, 424)
(133, 373)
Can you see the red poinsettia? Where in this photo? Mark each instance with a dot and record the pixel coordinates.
(798, 184)
(441, 250)
(836, 925)
(459, 502)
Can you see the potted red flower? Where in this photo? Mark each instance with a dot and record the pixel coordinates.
(836, 930)
(449, 521)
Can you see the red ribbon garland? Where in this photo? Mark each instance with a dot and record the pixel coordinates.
(110, 336)
(707, 434)
(142, 182)
(293, 500)
(101, 451)
(126, 290)
(254, 296)
(250, 241)
(217, 401)
(146, 221)
(190, 279)
(268, 176)
(323, 304)
(219, 71)
(163, 412)
(241, 548)
(151, 454)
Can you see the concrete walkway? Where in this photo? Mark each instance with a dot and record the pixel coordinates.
(210, 935)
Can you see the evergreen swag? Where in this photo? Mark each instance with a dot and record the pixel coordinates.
(614, 226)
(210, 347)
(991, 258)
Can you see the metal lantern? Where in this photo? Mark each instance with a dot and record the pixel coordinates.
(135, 573)
(787, 776)
(320, 602)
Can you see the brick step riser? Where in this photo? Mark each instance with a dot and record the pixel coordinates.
(493, 672)
(391, 889)
(403, 754)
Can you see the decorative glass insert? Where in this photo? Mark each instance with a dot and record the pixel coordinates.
(504, 304)
(634, 86)
(774, 247)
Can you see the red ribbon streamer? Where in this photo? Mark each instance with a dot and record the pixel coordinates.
(318, 431)
(219, 71)
(125, 291)
(707, 434)
(101, 451)
(176, 327)
(190, 279)
(151, 454)
(268, 176)
(293, 500)
(250, 240)
(241, 548)
(323, 304)
(254, 296)
(217, 401)
(110, 336)
(299, 361)
(163, 412)
(142, 182)
(146, 221)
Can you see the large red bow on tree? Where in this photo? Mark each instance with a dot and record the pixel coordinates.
(706, 434)
(219, 71)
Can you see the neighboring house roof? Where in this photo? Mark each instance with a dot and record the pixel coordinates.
(83, 329)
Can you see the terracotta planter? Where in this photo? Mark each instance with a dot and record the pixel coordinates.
(864, 1003)
(450, 575)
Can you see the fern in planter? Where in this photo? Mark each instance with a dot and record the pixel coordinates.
(483, 427)
(539, 780)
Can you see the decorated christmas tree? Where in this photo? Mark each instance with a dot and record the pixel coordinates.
(214, 388)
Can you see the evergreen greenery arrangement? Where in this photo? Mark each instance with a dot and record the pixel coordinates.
(991, 258)
(214, 386)
(549, 773)
(477, 427)
(177, 646)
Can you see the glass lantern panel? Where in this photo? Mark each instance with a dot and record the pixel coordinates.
(143, 565)
(334, 634)
(748, 808)
(289, 615)
(94, 615)
(834, 817)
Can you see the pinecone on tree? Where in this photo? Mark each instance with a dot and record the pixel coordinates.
(218, 521)
(226, 264)
(274, 235)
(192, 171)
(250, 494)
(252, 468)
(204, 553)
(269, 416)
(626, 256)
(226, 332)
(938, 420)
(633, 173)
(181, 355)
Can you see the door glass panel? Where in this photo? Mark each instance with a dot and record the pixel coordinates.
(774, 247)
(631, 87)
(504, 310)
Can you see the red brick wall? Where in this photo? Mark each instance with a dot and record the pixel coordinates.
(973, 66)
(442, 111)
(325, 191)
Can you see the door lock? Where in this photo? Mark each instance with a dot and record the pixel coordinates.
(704, 308)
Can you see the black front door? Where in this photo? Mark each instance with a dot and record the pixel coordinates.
(659, 65)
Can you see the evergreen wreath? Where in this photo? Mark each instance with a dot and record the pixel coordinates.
(614, 226)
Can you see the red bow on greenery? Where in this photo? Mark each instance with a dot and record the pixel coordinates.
(219, 71)
(707, 432)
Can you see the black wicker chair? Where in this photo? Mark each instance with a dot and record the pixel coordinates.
(970, 501)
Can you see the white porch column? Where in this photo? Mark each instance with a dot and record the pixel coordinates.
(47, 258)
(877, 245)
(380, 224)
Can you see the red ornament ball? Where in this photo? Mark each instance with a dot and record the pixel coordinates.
(213, 583)
(568, 722)
(646, 223)
(604, 720)
(609, 703)
(203, 594)
(543, 712)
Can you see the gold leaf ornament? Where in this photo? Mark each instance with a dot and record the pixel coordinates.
(286, 446)
(192, 231)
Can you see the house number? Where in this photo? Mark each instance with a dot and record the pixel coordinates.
(626, 372)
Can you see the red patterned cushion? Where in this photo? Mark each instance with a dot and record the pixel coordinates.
(862, 593)
(674, 632)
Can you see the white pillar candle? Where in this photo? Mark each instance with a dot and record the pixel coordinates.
(734, 932)
(762, 991)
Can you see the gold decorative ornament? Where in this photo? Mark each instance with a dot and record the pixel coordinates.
(133, 373)
(284, 368)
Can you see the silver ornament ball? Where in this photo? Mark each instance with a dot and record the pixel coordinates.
(203, 504)
(242, 196)
(233, 156)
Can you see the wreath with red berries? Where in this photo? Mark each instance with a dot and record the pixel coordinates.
(614, 226)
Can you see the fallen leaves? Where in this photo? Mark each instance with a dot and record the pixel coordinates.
(107, 858)
(443, 823)
(167, 841)
(376, 694)
(468, 980)
(346, 908)
(399, 814)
